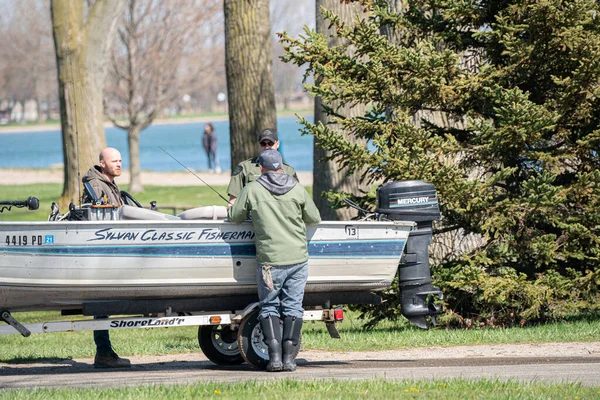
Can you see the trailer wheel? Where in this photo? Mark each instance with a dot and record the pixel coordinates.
(251, 344)
(219, 344)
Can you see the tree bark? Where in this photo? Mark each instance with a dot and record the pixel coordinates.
(81, 55)
(133, 141)
(249, 71)
(330, 176)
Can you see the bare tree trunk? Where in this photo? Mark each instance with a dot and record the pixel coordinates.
(330, 176)
(286, 101)
(146, 59)
(41, 117)
(133, 141)
(248, 64)
(81, 55)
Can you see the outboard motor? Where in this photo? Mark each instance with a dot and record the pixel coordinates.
(414, 201)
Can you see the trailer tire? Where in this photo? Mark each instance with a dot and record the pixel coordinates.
(219, 344)
(250, 342)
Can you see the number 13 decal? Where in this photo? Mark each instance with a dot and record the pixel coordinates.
(352, 231)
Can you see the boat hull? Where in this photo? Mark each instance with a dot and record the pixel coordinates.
(64, 265)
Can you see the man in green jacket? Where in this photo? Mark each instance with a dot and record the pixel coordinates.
(249, 170)
(280, 209)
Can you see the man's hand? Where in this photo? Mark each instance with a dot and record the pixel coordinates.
(231, 201)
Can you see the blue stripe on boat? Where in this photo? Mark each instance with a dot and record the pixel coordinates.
(345, 249)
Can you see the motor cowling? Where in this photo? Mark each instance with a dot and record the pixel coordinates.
(409, 201)
(414, 201)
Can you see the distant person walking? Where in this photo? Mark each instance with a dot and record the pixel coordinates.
(209, 142)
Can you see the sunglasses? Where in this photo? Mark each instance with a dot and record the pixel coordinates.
(266, 143)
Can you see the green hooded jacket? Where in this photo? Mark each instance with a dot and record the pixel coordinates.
(280, 209)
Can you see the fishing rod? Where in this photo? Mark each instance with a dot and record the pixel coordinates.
(193, 173)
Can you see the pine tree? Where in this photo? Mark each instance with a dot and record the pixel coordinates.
(496, 103)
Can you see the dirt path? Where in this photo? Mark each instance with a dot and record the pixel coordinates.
(549, 362)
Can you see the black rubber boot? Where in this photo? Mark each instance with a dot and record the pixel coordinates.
(272, 338)
(292, 326)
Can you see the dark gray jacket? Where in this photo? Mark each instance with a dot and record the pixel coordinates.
(102, 186)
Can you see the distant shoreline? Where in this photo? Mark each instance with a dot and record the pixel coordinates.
(57, 127)
(162, 121)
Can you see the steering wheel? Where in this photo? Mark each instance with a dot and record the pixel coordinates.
(129, 199)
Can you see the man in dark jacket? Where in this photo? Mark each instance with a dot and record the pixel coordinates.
(280, 209)
(249, 170)
(102, 179)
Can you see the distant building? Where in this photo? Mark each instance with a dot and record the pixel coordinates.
(16, 111)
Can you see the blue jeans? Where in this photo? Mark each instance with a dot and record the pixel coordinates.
(102, 340)
(281, 289)
(213, 161)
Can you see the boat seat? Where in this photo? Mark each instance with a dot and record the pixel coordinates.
(207, 212)
(130, 212)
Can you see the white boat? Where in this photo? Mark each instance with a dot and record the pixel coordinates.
(101, 260)
(66, 265)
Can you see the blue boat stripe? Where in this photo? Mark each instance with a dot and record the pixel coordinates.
(344, 249)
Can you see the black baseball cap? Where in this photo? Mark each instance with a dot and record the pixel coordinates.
(268, 133)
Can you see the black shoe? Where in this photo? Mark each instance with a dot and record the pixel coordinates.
(111, 360)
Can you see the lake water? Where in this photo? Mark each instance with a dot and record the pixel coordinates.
(184, 142)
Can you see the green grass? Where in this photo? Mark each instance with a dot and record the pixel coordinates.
(354, 337)
(50, 123)
(401, 334)
(325, 389)
(45, 192)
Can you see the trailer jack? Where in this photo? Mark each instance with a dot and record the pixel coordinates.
(6, 317)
